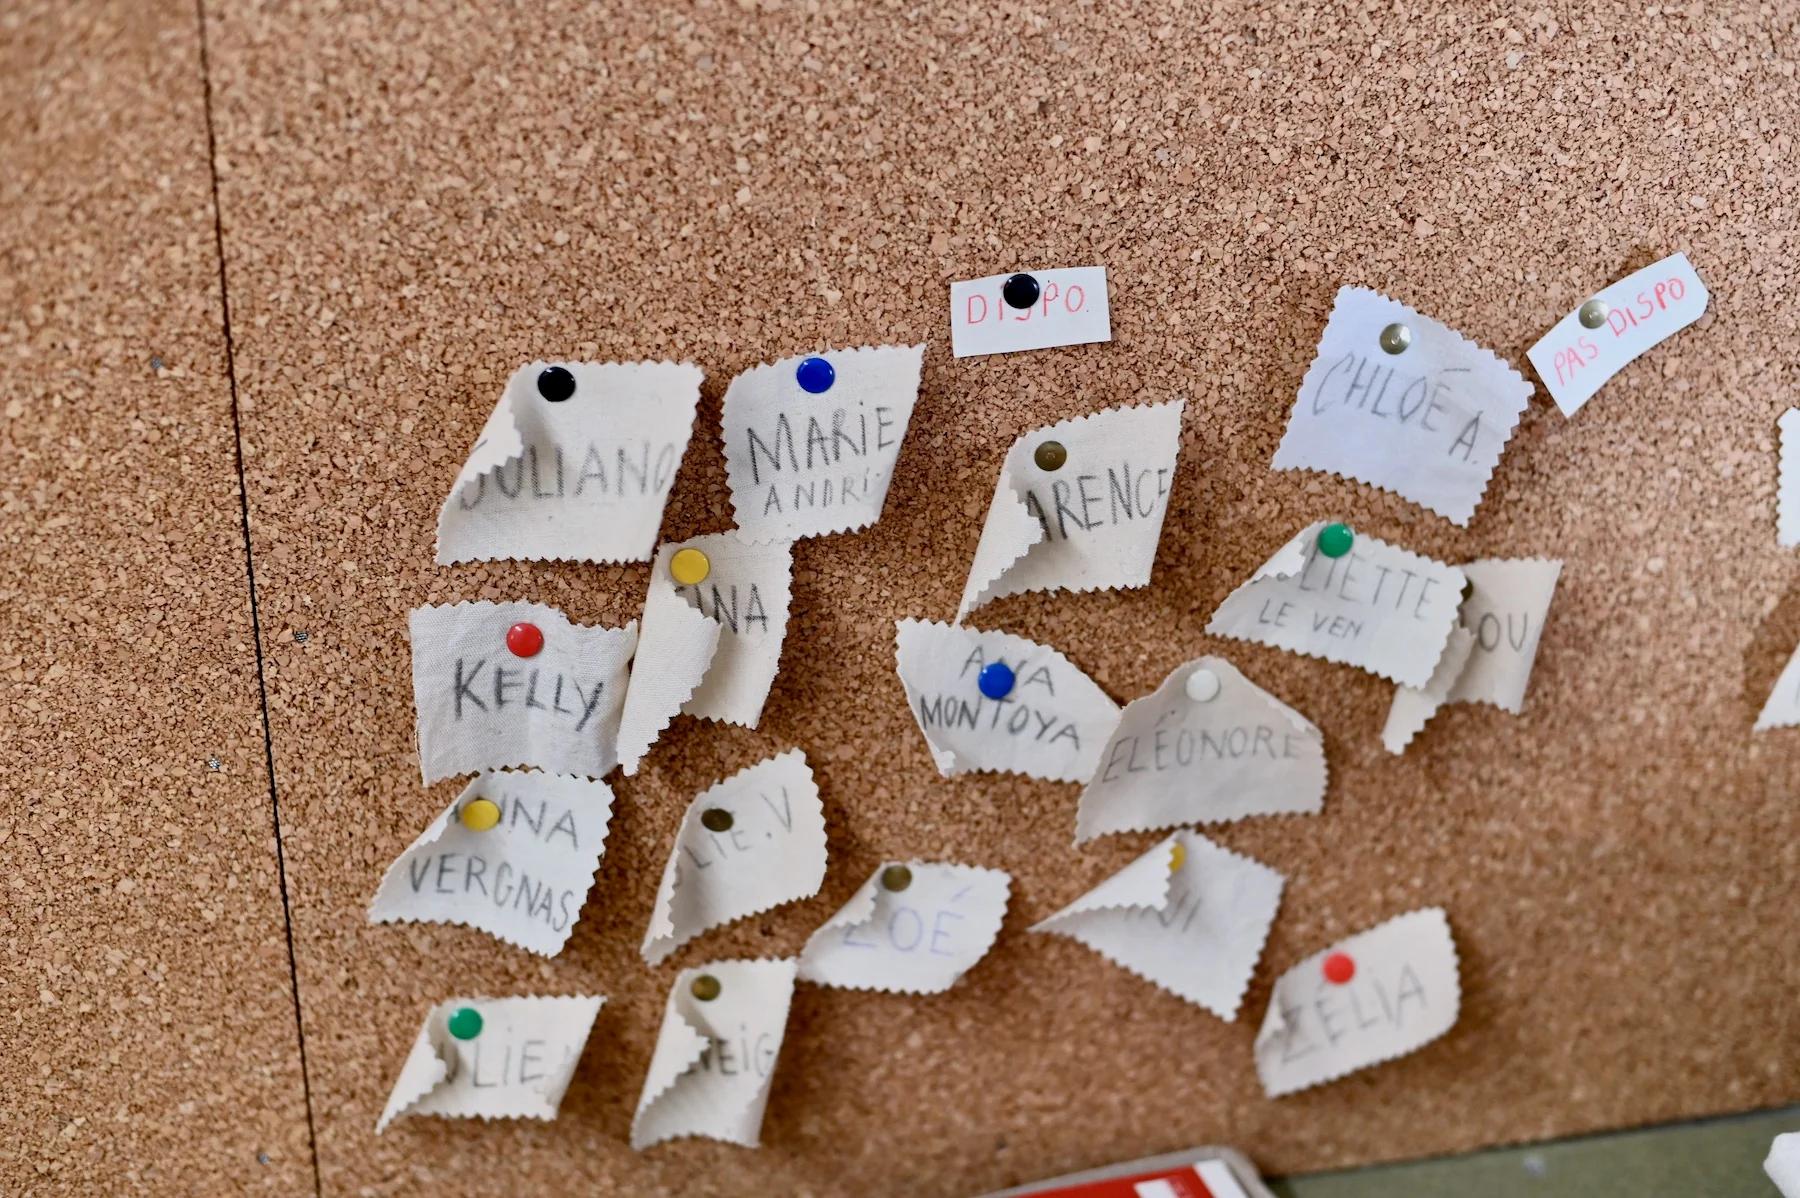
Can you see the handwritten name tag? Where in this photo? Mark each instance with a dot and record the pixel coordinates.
(1377, 607)
(714, 1058)
(515, 1065)
(1079, 506)
(754, 841)
(912, 928)
(1071, 308)
(1428, 423)
(523, 878)
(484, 704)
(574, 464)
(1375, 996)
(1641, 311)
(1179, 759)
(804, 463)
(1051, 722)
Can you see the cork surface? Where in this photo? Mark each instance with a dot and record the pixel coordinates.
(147, 1041)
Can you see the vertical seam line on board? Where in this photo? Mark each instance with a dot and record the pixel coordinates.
(262, 685)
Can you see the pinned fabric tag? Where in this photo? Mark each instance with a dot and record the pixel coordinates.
(721, 1034)
(1782, 710)
(997, 702)
(912, 928)
(1208, 746)
(1609, 331)
(1374, 605)
(514, 856)
(1378, 995)
(1787, 493)
(1038, 309)
(1188, 915)
(516, 684)
(749, 843)
(711, 645)
(1079, 506)
(1396, 400)
(495, 1058)
(574, 464)
(811, 442)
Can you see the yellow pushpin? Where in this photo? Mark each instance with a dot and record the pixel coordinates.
(1177, 857)
(478, 815)
(689, 567)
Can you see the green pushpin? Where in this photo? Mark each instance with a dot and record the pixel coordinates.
(1335, 540)
(465, 1023)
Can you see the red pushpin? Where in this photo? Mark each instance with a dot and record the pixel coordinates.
(524, 640)
(1339, 968)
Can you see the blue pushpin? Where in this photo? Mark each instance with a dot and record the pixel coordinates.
(995, 680)
(815, 375)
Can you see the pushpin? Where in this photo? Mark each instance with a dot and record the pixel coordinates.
(1203, 686)
(555, 384)
(465, 1023)
(1020, 291)
(1339, 968)
(1050, 456)
(815, 375)
(524, 640)
(1395, 338)
(716, 819)
(705, 987)
(995, 680)
(896, 877)
(1593, 314)
(1335, 540)
(689, 567)
(478, 815)
(1177, 857)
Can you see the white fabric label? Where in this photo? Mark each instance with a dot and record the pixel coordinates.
(767, 848)
(1428, 424)
(802, 464)
(522, 880)
(1188, 915)
(714, 1058)
(582, 478)
(1176, 760)
(915, 940)
(1399, 994)
(1052, 724)
(1782, 710)
(516, 1067)
(1377, 607)
(1783, 1164)
(1642, 311)
(483, 706)
(1506, 612)
(1787, 492)
(1091, 523)
(1071, 309)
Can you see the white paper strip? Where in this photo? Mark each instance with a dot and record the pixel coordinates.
(917, 939)
(1072, 308)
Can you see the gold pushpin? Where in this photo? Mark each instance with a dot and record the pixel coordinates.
(478, 815)
(689, 567)
(896, 877)
(716, 819)
(706, 987)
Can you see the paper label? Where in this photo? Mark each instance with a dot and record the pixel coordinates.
(1052, 724)
(1428, 424)
(917, 940)
(1413, 707)
(1402, 994)
(1782, 710)
(1787, 494)
(804, 465)
(522, 880)
(578, 479)
(517, 1067)
(710, 1073)
(770, 851)
(1192, 921)
(1643, 310)
(1174, 760)
(1377, 607)
(1090, 524)
(481, 706)
(1071, 309)
(1506, 612)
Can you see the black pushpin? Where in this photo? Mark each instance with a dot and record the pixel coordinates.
(555, 384)
(1019, 291)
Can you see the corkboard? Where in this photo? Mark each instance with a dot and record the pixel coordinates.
(419, 198)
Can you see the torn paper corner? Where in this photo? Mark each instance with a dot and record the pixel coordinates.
(493, 1058)
(811, 441)
(1377, 607)
(1375, 996)
(715, 1056)
(1428, 423)
(1189, 916)
(574, 464)
(1207, 746)
(1413, 707)
(751, 842)
(1787, 492)
(914, 927)
(1782, 709)
(1035, 713)
(1079, 506)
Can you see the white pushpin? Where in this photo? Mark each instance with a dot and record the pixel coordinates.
(1203, 686)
